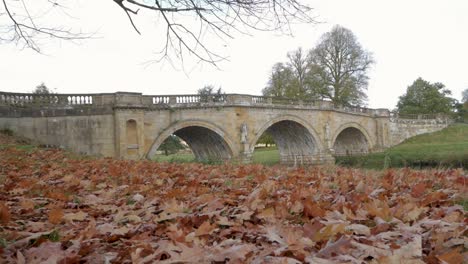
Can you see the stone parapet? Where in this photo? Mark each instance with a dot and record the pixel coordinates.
(128, 99)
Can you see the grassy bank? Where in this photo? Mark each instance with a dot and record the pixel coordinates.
(448, 148)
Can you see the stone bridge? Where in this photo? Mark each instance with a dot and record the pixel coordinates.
(227, 127)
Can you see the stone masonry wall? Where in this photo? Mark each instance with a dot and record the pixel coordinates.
(401, 129)
(92, 135)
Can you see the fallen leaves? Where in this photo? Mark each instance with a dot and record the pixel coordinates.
(79, 216)
(313, 209)
(55, 215)
(452, 257)
(27, 204)
(418, 190)
(205, 229)
(4, 213)
(59, 209)
(110, 229)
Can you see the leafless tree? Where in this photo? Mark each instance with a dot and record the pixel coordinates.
(187, 23)
(281, 82)
(299, 65)
(339, 66)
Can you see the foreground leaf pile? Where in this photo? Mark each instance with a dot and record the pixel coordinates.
(61, 209)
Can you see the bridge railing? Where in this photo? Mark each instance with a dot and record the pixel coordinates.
(418, 116)
(180, 100)
(25, 99)
(156, 100)
(191, 100)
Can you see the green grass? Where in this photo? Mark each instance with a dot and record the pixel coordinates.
(20, 147)
(184, 158)
(266, 156)
(178, 158)
(18, 142)
(447, 148)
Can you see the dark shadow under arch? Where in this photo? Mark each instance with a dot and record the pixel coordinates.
(351, 141)
(206, 144)
(296, 144)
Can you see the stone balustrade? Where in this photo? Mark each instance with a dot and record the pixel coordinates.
(24, 99)
(174, 101)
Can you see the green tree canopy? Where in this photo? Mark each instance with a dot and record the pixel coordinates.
(280, 83)
(42, 89)
(171, 145)
(210, 91)
(291, 79)
(465, 96)
(462, 108)
(266, 139)
(423, 97)
(335, 69)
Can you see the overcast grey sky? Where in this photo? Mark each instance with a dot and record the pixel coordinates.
(409, 39)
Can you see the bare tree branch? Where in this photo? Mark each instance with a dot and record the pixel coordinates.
(189, 23)
(24, 29)
(127, 10)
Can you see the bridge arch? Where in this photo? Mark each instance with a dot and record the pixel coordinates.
(206, 140)
(351, 138)
(296, 140)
